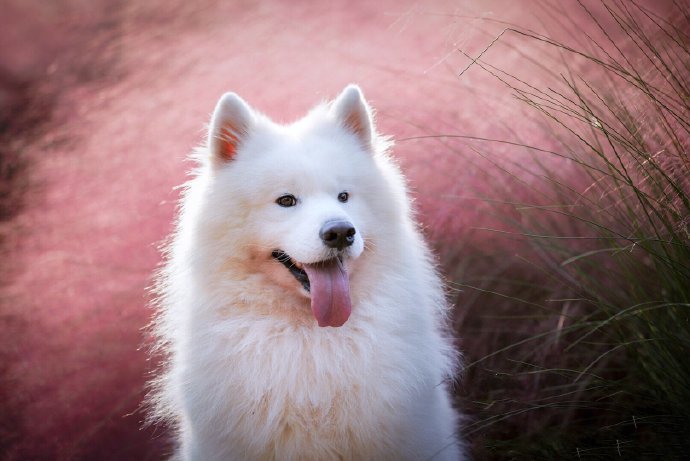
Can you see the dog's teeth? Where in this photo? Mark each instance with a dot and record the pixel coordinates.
(299, 265)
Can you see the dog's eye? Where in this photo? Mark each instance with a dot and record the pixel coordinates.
(343, 197)
(286, 200)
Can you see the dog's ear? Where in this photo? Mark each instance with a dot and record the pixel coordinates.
(351, 110)
(231, 122)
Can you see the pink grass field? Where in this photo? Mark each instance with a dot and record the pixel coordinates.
(102, 101)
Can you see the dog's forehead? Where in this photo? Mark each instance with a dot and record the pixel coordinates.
(318, 169)
(310, 153)
(302, 159)
(278, 171)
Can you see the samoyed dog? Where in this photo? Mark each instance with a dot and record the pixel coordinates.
(299, 308)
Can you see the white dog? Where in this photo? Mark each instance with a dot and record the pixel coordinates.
(299, 306)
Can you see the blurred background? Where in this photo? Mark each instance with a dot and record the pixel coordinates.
(546, 143)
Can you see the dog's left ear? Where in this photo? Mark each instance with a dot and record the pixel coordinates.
(351, 110)
(230, 125)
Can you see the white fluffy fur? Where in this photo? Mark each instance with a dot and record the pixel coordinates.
(250, 374)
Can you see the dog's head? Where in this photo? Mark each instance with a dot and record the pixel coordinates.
(300, 202)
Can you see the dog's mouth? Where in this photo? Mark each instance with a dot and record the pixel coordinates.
(328, 284)
(295, 268)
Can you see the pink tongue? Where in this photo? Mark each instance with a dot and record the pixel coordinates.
(330, 292)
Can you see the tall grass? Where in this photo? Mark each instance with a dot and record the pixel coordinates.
(588, 349)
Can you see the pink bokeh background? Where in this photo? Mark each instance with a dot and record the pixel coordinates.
(105, 99)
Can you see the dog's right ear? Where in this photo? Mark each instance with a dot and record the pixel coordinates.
(231, 122)
(353, 113)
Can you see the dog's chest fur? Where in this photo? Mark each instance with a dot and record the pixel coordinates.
(340, 392)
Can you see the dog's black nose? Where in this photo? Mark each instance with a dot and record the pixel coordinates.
(338, 234)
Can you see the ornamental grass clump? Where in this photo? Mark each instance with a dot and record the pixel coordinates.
(588, 343)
